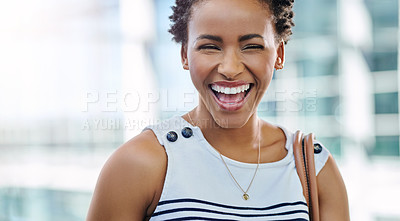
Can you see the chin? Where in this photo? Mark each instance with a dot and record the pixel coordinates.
(230, 121)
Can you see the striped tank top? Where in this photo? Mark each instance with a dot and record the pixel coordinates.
(198, 186)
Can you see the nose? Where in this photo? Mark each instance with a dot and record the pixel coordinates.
(231, 64)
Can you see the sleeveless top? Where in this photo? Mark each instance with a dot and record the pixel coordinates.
(198, 186)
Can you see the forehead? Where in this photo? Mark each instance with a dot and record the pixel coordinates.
(230, 16)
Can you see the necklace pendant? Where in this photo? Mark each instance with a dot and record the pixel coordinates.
(246, 196)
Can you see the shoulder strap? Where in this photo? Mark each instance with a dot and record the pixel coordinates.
(303, 149)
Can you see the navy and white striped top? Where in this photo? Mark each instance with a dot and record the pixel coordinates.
(197, 185)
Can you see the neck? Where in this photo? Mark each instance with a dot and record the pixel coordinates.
(225, 139)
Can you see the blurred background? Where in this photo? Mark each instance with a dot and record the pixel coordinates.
(79, 78)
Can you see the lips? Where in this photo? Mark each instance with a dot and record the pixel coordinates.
(230, 95)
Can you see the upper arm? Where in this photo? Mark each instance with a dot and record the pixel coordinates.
(333, 202)
(129, 181)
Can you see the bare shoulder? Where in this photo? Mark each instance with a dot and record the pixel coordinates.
(333, 201)
(274, 143)
(131, 180)
(273, 132)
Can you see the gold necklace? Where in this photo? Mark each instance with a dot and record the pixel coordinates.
(245, 195)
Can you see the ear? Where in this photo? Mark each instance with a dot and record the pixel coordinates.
(184, 58)
(280, 56)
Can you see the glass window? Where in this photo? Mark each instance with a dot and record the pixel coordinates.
(333, 144)
(386, 146)
(384, 15)
(383, 12)
(267, 109)
(382, 60)
(319, 67)
(324, 106)
(308, 11)
(24, 203)
(386, 103)
(386, 218)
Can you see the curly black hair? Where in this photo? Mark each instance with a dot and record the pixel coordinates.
(281, 9)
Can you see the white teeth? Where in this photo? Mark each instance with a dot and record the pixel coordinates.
(230, 90)
(243, 88)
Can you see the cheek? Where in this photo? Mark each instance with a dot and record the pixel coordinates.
(262, 68)
(200, 68)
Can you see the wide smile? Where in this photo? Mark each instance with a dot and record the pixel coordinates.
(230, 96)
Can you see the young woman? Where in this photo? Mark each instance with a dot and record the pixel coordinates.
(219, 161)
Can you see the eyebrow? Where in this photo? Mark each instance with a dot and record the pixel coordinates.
(219, 39)
(250, 36)
(210, 37)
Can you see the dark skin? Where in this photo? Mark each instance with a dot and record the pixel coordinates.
(131, 182)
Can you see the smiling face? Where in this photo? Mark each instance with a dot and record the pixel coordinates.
(231, 53)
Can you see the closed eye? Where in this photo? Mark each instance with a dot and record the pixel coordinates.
(208, 47)
(253, 47)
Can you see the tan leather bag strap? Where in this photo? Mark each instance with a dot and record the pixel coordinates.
(303, 149)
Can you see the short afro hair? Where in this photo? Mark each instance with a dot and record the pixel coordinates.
(282, 11)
